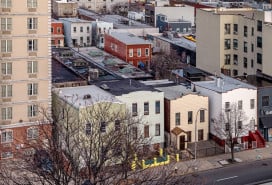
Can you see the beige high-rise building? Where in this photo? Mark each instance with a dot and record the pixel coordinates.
(25, 78)
(234, 41)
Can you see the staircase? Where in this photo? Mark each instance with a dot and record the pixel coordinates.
(256, 136)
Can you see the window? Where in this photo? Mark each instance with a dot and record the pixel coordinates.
(235, 72)
(259, 42)
(134, 109)
(130, 52)
(235, 44)
(32, 89)
(259, 26)
(240, 105)
(177, 118)
(6, 46)
(6, 113)
(7, 136)
(190, 117)
(32, 45)
(6, 24)
(6, 3)
(146, 131)
(58, 29)
(235, 29)
(227, 126)
(157, 107)
(235, 59)
(146, 51)
(245, 62)
(32, 133)
(240, 124)
(32, 110)
(117, 125)
(252, 63)
(245, 47)
(74, 28)
(6, 91)
(200, 135)
(103, 126)
(252, 31)
(88, 129)
(189, 136)
(6, 68)
(259, 58)
(146, 108)
(139, 52)
(245, 31)
(227, 106)
(252, 47)
(81, 29)
(252, 103)
(227, 29)
(265, 101)
(6, 155)
(202, 116)
(134, 132)
(32, 23)
(88, 39)
(32, 67)
(227, 44)
(157, 129)
(227, 59)
(32, 3)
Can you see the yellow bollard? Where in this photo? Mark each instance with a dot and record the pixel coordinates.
(161, 152)
(133, 165)
(143, 164)
(135, 157)
(177, 157)
(155, 161)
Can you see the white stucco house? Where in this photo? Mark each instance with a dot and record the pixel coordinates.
(143, 102)
(99, 28)
(77, 32)
(224, 91)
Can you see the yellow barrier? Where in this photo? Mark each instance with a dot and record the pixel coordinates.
(156, 163)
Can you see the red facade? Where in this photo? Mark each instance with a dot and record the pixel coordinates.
(57, 38)
(138, 55)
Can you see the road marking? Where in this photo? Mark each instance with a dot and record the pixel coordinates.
(226, 178)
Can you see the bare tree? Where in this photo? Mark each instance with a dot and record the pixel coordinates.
(230, 125)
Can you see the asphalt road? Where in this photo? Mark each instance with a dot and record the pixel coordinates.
(252, 173)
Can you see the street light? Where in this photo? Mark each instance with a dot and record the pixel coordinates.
(196, 128)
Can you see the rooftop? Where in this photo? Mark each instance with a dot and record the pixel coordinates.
(223, 84)
(124, 86)
(84, 96)
(128, 38)
(74, 20)
(257, 80)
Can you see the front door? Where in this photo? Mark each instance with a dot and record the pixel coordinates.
(182, 142)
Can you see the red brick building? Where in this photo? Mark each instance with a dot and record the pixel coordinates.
(129, 48)
(57, 39)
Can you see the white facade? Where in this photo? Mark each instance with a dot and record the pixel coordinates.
(138, 16)
(226, 89)
(77, 32)
(153, 118)
(99, 28)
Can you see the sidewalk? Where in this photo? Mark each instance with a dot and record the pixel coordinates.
(219, 161)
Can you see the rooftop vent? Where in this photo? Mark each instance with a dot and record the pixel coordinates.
(104, 86)
(86, 96)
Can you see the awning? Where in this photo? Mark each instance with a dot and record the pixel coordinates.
(177, 131)
(266, 122)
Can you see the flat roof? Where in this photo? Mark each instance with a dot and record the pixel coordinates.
(125, 86)
(128, 38)
(84, 96)
(257, 80)
(223, 84)
(75, 20)
(117, 20)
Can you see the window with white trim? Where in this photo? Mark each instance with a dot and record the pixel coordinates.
(32, 67)
(6, 113)
(32, 3)
(6, 3)
(32, 89)
(32, 23)
(139, 52)
(32, 45)
(6, 91)
(6, 155)
(130, 51)
(7, 136)
(6, 46)
(146, 51)
(32, 110)
(32, 133)
(6, 68)
(6, 24)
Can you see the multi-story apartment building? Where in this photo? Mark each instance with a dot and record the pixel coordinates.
(57, 36)
(233, 41)
(129, 48)
(99, 28)
(77, 32)
(25, 76)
